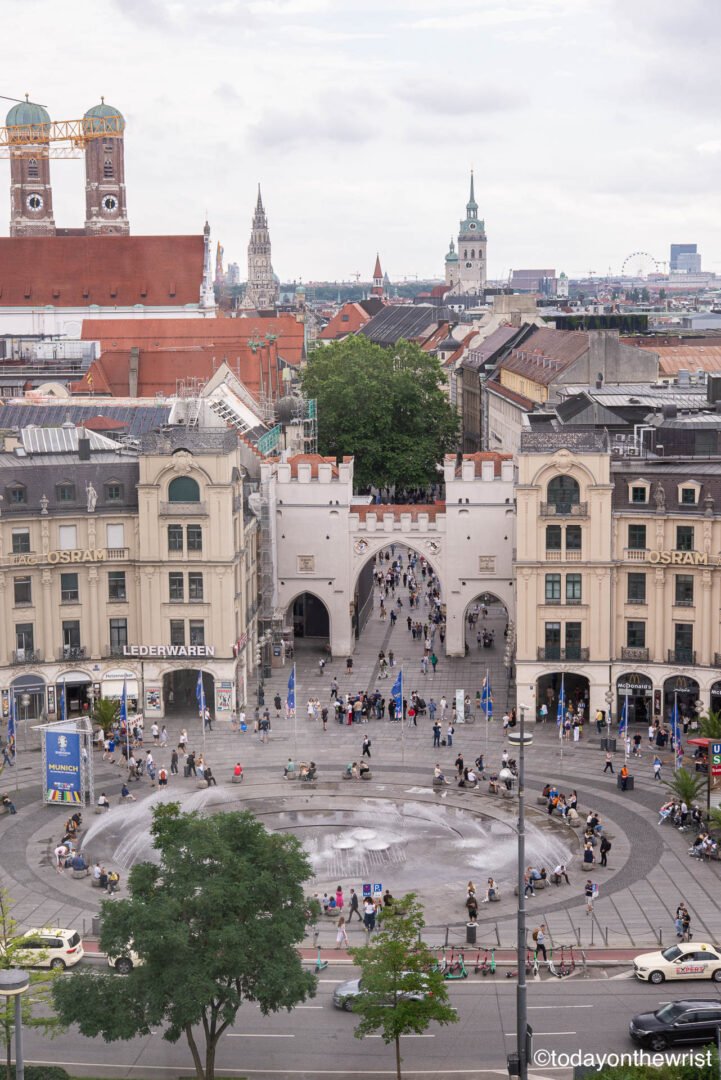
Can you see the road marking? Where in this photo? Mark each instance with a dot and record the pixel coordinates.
(321, 1006)
(539, 1033)
(405, 1036)
(253, 1035)
(560, 1007)
(433, 1073)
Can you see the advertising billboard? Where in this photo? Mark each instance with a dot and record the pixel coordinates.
(63, 778)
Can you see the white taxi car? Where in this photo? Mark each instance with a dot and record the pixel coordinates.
(693, 960)
(49, 947)
(124, 964)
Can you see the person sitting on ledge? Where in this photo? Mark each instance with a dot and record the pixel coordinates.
(491, 891)
(438, 775)
(103, 801)
(79, 862)
(363, 768)
(125, 794)
(289, 769)
(238, 770)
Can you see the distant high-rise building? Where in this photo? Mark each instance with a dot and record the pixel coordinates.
(232, 276)
(261, 290)
(470, 275)
(685, 259)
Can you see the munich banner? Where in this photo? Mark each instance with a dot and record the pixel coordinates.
(63, 781)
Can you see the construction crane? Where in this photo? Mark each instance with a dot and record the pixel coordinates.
(25, 139)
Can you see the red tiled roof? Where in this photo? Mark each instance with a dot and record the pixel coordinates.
(480, 457)
(396, 509)
(103, 423)
(314, 460)
(348, 320)
(546, 353)
(76, 271)
(377, 272)
(517, 399)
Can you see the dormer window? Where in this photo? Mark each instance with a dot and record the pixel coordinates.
(639, 492)
(689, 493)
(17, 495)
(65, 493)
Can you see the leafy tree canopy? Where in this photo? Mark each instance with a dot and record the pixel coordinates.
(386, 407)
(687, 786)
(215, 923)
(395, 965)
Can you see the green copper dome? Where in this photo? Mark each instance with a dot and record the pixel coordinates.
(28, 114)
(452, 255)
(103, 112)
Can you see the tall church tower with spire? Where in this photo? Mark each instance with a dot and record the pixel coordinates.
(261, 290)
(472, 242)
(377, 288)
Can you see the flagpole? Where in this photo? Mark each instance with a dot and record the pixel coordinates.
(674, 730)
(487, 692)
(403, 725)
(14, 749)
(561, 719)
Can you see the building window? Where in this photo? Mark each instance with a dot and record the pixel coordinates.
(33, 171)
(553, 588)
(108, 169)
(176, 588)
(65, 493)
(71, 634)
(553, 537)
(177, 631)
(552, 641)
(194, 538)
(23, 590)
(636, 585)
(68, 537)
(183, 489)
(573, 538)
(115, 536)
(113, 492)
(175, 537)
(195, 587)
(683, 593)
(69, 593)
(563, 493)
(684, 538)
(636, 634)
(21, 541)
(17, 495)
(573, 588)
(639, 494)
(683, 642)
(637, 537)
(116, 585)
(24, 638)
(689, 496)
(573, 641)
(197, 632)
(118, 634)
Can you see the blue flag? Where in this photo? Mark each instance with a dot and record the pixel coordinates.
(623, 722)
(200, 694)
(561, 704)
(62, 702)
(11, 727)
(675, 727)
(397, 693)
(487, 696)
(290, 700)
(124, 704)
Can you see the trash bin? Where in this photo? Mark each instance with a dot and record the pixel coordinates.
(471, 931)
(608, 744)
(629, 783)
(95, 925)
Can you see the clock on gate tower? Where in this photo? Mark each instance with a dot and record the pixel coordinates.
(105, 207)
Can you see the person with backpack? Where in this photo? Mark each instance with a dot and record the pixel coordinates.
(539, 938)
(604, 849)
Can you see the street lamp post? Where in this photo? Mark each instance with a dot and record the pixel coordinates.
(518, 1064)
(14, 984)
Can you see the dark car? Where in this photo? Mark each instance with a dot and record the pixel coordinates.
(677, 1022)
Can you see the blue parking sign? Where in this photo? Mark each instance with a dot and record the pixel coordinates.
(377, 888)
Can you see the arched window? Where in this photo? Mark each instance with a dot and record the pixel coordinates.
(33, 172)
(465, 253)
(563, 493)
(108, 169)
(183, 489)
(473, 253)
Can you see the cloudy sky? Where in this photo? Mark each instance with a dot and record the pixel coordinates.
(593, 128)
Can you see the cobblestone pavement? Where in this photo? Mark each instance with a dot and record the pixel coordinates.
(649, 869)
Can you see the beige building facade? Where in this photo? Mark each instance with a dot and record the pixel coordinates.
(125, 567)
(618, 579)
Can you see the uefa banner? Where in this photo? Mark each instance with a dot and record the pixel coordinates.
(63, 779)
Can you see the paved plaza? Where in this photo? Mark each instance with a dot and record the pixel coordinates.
(649, 870)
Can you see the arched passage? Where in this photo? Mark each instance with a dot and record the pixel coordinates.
(576, 690)
(29, 694)
(683, 691)
(309, 618)
(636, 689)
(179, 691)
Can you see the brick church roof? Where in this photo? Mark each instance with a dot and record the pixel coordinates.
(77, 271)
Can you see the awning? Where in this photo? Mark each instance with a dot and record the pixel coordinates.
(72, 677)
(113, 688)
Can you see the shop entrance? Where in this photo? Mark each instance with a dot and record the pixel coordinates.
(637, 690)
(683, 692)
(576, 689)
(29, 697)
(76, 686)
(179, 692)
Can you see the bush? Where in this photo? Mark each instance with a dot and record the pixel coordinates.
(42, 1072)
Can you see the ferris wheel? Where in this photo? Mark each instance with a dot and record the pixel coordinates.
(640, 264)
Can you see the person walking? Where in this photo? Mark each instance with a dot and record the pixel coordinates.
(539, 936)
(450, 732)
(174, 763)
(341, 937)
(609, 762)
(591, 892)
(686, 934)
(333, 689)
(436, 733)
(324, 717)
(366, 751)
(349, 666)
(657, 768)
(444, 708)
(369, 914)
(353, 906)
(604, 848)
(434, 662)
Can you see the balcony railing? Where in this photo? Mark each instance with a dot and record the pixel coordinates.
(72, 652)
(26, 656)
(561, 509)
(554, 555)
(113, 650)
(180, 509)
(634, 652)
(116, 554)
(570, 653)
(681, 656)
(683, 603)
(635, 554)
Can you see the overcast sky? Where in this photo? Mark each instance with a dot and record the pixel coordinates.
(593, 127)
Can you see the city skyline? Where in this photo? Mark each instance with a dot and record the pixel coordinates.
(362, 122)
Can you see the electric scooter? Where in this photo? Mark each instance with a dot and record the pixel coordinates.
(456, 969)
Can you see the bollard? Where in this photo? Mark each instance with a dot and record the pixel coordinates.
(592, 931)
(584, 963)
(498, 936)
(605, 936)
(660, 938)
(578, 935)
(445, 944)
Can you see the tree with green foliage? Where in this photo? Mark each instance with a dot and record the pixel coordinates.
(385, 407)
(215, 922)
(105, 713)
(686, 786)
(37, 999)
(710, 725)
(395, 966)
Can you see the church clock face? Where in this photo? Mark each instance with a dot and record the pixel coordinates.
(109, 204)
(34, 202)
(469, 265)
(472, 226)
